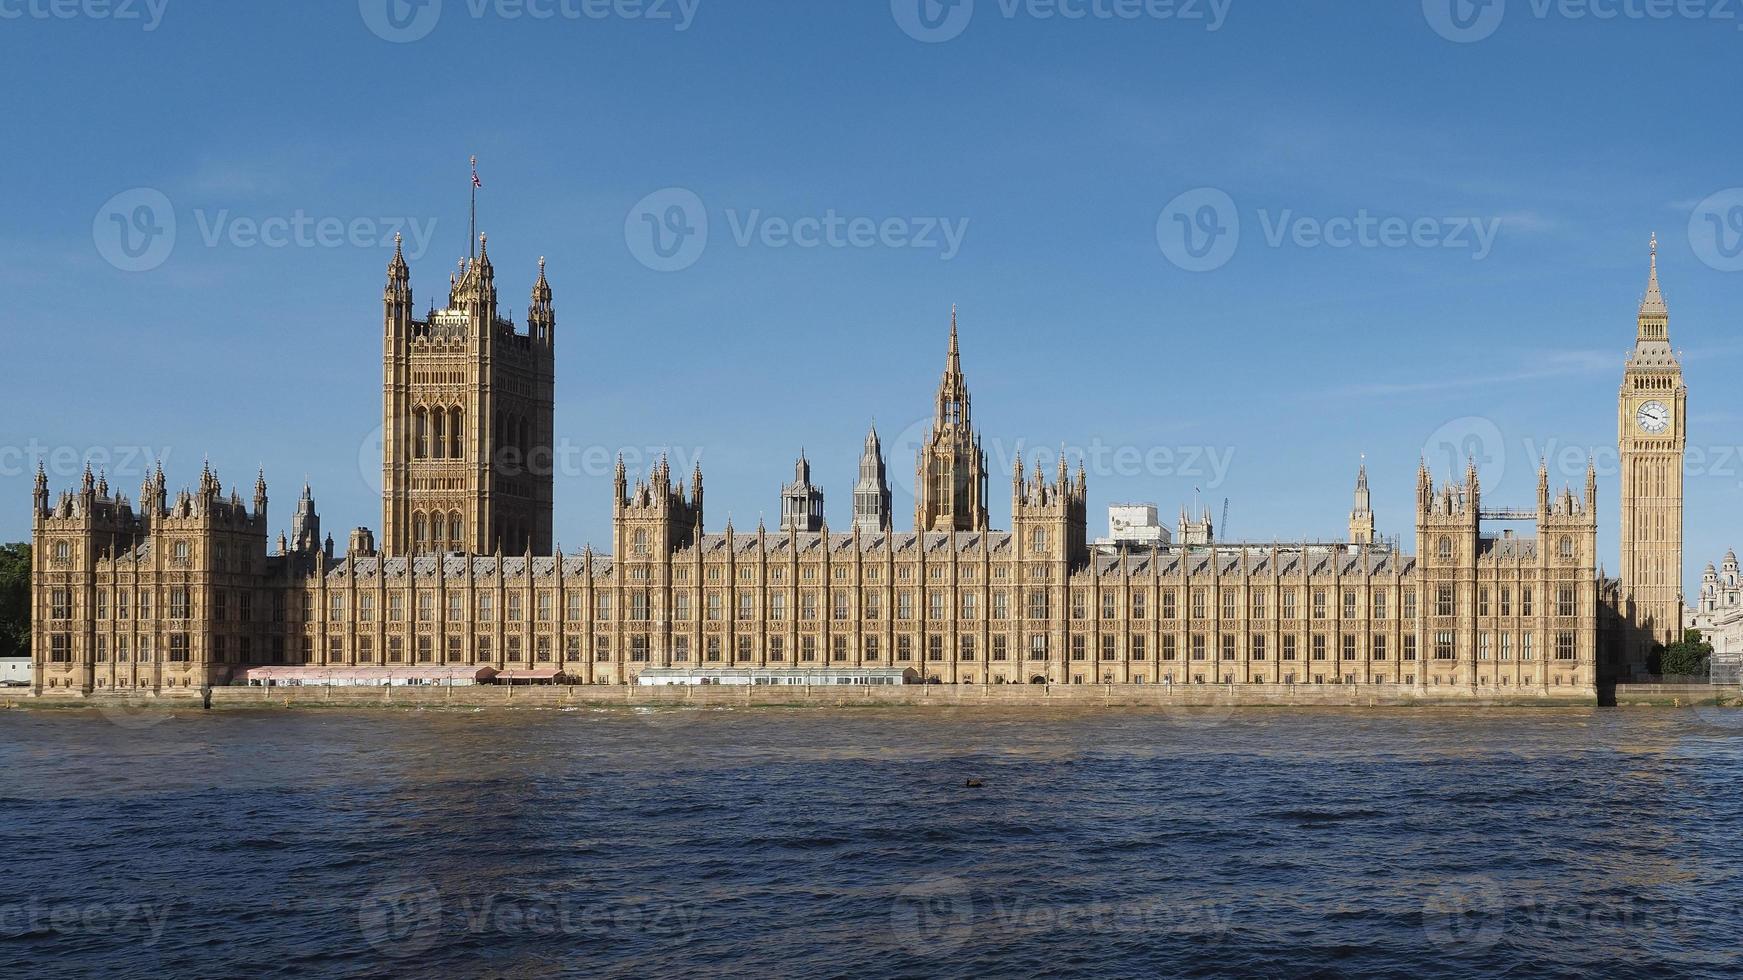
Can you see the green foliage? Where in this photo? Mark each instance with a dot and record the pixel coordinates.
(14, 600)
(1691, 657)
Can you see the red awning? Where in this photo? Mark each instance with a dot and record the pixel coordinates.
(539, 674)
(325, 674)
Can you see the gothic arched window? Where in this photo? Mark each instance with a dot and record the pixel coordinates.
(456, 438)
(420, 533)
(454, 532)
(1567, 546)
(440, 442)
(420, 434)
(438, 531)
(1445, 547)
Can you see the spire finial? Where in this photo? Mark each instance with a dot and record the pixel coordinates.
(1653, 303)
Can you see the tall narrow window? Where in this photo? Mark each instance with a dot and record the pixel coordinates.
(420, 434)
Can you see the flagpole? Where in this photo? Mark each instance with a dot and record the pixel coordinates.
(472, 230)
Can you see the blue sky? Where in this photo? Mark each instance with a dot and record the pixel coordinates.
(1053, 147)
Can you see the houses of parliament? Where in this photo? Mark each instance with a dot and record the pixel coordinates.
(173, 593)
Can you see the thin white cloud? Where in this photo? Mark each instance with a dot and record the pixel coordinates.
(1555, 364)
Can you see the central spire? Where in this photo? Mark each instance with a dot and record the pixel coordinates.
(950, 489)
(1653, 304)
(953, 407)
(955, 359)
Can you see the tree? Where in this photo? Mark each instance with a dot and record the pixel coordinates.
(1689, 657)
(15, 600)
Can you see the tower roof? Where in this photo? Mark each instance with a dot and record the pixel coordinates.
(955, 360)
(1653, 304)
(953, 388)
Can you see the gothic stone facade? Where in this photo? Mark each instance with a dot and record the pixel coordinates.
(182, 594)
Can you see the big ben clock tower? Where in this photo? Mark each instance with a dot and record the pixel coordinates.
(1652, 434)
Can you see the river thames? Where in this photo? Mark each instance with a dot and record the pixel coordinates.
(849, 843)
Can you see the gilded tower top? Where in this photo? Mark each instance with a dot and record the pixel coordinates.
(1652, 335)
(1653, 304)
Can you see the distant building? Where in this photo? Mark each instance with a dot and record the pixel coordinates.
(1135, 525)
(14, 671)
(1719, 616)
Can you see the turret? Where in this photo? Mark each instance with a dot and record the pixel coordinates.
(362, 543)
(306, 524)
(1362, 511)
(801, 502)
(541, 314)
(396, 298)
(653, 518)
(1049, 522)
(871, 493)
(40, 495)
(398, 292)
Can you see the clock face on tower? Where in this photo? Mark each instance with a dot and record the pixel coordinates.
(1653, 417)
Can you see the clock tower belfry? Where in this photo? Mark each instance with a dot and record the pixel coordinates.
(1652, 435)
